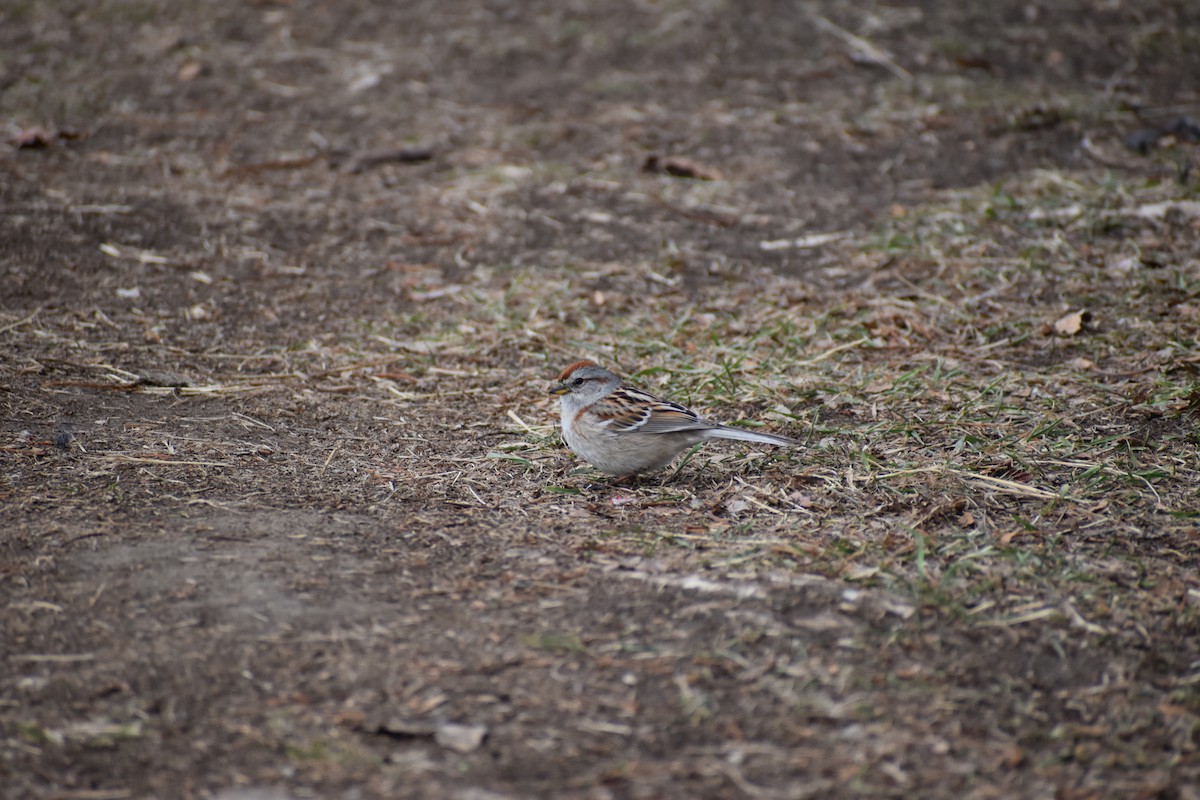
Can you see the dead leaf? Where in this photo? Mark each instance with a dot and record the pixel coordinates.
(38, 137)
(860, 572)
(190, 70)
(155, 377)
(460, 738)
(1070, 324)
(736, 506)
(388, 155)
(680, 167)
(398, 728)
(32, 138)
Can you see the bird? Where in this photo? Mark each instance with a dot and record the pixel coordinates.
(624, 431)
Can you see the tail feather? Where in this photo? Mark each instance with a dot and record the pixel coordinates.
(726, 432)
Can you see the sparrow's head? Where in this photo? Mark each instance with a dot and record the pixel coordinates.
(584, 382)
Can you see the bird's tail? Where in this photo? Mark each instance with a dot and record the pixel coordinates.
(725, 432)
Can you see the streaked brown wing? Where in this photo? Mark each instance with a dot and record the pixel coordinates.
(629, 409)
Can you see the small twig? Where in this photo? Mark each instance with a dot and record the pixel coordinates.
(400, 155)
(804, 242)
(520, 422)
(251, 420)
(20, 322)
(92, 794)
(111, 387)
(1016, 488)
(137, 460)
(53, 658)
(332, 453)
(865, 49)
(132, 254)
(831, 351)
(1012, 487)
(316, 376)
(476, 496)
(82, 536)
(1078, 620)
(1028, 616)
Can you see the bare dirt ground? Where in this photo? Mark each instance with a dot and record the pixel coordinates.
(284, 512)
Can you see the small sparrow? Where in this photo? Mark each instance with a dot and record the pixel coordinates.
(622, 430)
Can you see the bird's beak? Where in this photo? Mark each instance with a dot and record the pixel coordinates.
(558, 387)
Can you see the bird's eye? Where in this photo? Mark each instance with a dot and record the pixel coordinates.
(577, 382)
